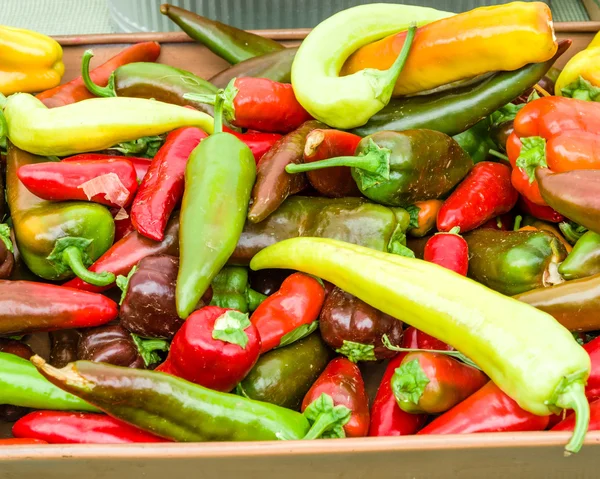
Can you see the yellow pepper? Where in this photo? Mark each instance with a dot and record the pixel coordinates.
(581, 76)
(29, 61)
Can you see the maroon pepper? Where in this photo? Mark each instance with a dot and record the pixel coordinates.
(449, 250)
(162, 187)
(541, 212)
(486, 192)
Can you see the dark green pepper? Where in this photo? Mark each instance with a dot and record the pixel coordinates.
(284, 376)
(231, 290)
(584, 260)
(512, 262)
(401, 168)
(476, 141)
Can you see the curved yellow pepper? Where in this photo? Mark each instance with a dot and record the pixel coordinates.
(30, 61)
(581, 76)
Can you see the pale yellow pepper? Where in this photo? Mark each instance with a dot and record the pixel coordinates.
(581, 76)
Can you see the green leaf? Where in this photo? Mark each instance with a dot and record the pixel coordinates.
(578, 338)
(357, 351)
(148, 349)
(581, 89)
(146, 146)
(5, 237)
(409, 382)
(230, 326)
(572, 231)
(123, 283)
(533, 154)
(506, 113)
(298, 333)
(413, 211)
(401, 250)
(534, 95)
(378, 168)
(326, 419)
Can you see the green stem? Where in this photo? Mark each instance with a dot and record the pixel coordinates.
(97, 90)
(371, 162)
(518, 221)
(202, 98)
(72, 256)
(581, 95)
(148, 348)
(497, 154)
(254, 298)
(323, 422)
(5, 237)
(218, 121)
(573, 397)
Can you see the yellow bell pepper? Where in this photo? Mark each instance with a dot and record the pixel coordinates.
(29, 61)
(581, 76)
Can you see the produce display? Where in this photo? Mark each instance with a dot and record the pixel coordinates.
(220, 259)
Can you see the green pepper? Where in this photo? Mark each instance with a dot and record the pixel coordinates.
(528, 355)
(22, 385)
(57, 240)
(401, 168)
(584, 260)
(513, 262)
(476, 141)
(219, 177)
(231, 290)
(283, 376)
(349, 219)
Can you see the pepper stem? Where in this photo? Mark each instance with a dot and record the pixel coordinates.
(218, 119)
(5, 237)
(572, 396)
(327, 419)
(148, 348)
(73, 257)
(227, 95)
(254, 298)
(97, 90)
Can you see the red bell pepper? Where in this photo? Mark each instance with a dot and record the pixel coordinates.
(487, 410)
(544, 213)
(568, 424)
(61, 427)
(109, 182)
(141, 165)
(592, 388)
(449, 250)
(431, 383)
(259, 104)
(215, 347)
(486, 192)
(290, 313)
(417, 339)
(258, 142)
(342, 380)
(162, 187)
(75, 90)
(25, 441)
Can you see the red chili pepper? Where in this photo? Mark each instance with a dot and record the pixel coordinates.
(568, 424)
(60, 427)
(215, 348)
(544, 213)
(290, 313)
(417, 339)
(258, 142)
(342, 380)
(75, 90)
(431, 383)
(486, 192)
(592, 388)
(109, 182)
(21, 442)
(123, 226)
(449, 250)
(487, 410)
(141, 165)
(162, 187)
(324, 144)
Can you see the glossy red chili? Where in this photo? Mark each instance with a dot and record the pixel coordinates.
(544, 213)
(592, 388)
(417, 339)
(162, 187)
(258, 142)
(215, 348)
(568, 424)
(123, 225)
(141, 165)
(449, 250)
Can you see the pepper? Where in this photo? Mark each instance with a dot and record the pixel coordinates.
(431, 383)
(93, 124)
(417, 339)
(30, 61)
(215, 348)
(289, 314)
(349, 101)
(230, 43)
(75, 90)
(399, 168)
(63, 347)
(584, 260)
(268, 282)
(342, 380)
(8, 412)
(123, 224)
(259, 143)
(439, 56)
(284, 376)
(324, 144)
(141, 165)
(543, 373)
(575, 304)
(541, 212)
(423, 215)
(273, 184)
(258, 104)
(21, 385)
(21, 442)
(487, 410)
(349, 219)
(449, 250)
(108, 182)
(353, 328)
(207, 183)
(162, 187)
(476, 141)
(580, 78)
(592, 388)
(485, 192)
(231, 290)
(533, 224)
(56, 240)
(454, 111)
(7, 257)
(568, 423)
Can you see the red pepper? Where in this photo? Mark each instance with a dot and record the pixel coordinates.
(486, 192)
(544, 213)
(259, 104)
(449, 250)
(290, 313)
(21, 442)
(417, 339)
(128, 252)
(324, 144)
(431, 383)
(109, 182)
(141, 165)
(215, 347)
(162, 187)
(123, 225)
(60, 427)
(487, 410)
(75, 90)
(568, 424)
(258, 142)
(342, 380)
(592, 388)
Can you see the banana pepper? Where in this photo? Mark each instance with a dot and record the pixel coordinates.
(581, 76)
(30, 61)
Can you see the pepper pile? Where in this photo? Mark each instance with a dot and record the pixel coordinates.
(391, 192)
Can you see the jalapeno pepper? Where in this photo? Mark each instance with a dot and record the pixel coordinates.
(584, 260)
(231, 290)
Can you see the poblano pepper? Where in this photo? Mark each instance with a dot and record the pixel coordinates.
(584, 260)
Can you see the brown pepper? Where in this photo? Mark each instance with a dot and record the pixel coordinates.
(63, 347)
(110, 344)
